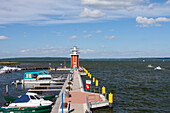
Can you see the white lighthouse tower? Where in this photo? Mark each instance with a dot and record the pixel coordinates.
(74, 57)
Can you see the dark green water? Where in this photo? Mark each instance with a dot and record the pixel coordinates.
(136, 87)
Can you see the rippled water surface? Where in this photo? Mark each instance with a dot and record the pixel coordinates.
(136, 87)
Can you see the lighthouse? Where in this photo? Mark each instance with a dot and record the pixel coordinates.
(74, 57)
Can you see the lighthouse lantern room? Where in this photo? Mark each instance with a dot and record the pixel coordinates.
(74, 57)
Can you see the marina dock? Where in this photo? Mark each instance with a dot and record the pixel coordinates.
(80, 101)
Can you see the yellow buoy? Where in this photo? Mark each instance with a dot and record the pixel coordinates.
(64, 66)
(103, 90)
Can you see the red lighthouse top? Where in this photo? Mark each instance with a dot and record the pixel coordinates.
(74, 57)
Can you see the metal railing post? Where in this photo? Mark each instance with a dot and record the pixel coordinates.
(62, 102)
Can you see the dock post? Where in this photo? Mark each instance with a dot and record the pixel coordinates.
(103, 90)
(7, 90)
(97, 86)
(16, 85)
(110, 100)
(93, 80)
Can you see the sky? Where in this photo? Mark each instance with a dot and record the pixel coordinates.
(99, 28)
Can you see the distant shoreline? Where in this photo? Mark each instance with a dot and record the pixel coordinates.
(61, 59)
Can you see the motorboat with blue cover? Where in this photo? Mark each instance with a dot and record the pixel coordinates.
(37, 77)
(27, 102)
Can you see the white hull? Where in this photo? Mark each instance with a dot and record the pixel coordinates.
(37, 81)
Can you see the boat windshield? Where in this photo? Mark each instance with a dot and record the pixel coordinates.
(37, 97)
(45, 78)
(42, 73)
(32, 97)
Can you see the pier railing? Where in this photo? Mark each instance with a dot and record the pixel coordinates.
(88, 106)
(96, 101)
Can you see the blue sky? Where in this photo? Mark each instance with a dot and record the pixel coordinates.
(99, 28)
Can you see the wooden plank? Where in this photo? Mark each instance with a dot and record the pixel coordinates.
(38, 90)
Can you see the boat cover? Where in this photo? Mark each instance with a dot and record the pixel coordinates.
(22, 99)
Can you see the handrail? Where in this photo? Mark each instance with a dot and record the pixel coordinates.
(88, 106)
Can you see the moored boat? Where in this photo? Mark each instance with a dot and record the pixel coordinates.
(28, 102)
(11, 99)
(40, 109)
(37, 77)
(158, 68)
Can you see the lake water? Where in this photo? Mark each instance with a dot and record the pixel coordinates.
(136, 87)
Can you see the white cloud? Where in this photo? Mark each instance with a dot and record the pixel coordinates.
(162, 19)
(168, 2)
(42, 12)
(85, 51)
(113, 4)
(84, 31)
(2, 26)
(24, 51)
(3, 37)
(38, 11)
(145, 22)
(88, 36)
(93, 14)
(150, 6)
(73, 37)
(98, 31)
(109, 37)
(44, 51)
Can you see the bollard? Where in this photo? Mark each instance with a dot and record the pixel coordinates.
(7, 90)
(103, 90)
(93, 79)
(90, 76)
(110, 100)
(97, 83)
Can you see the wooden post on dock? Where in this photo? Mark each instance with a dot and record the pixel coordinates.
(7, 90)
(16, 85)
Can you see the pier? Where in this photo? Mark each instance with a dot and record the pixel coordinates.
(80, 101)
(73, 98)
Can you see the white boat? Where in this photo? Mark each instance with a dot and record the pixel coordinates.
(29, 100)
(158, 68)
(2, 71)
(6, 69)
(37, 77)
